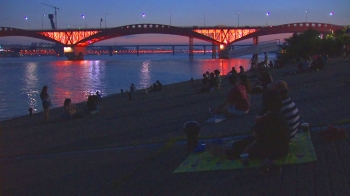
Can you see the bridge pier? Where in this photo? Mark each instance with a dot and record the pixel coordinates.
(224, 52)
(173, 50)
(110, 50)
(204, 50)
(75, 53)
(59, 50)
(213, 51)
(137, 50)
(190, 50)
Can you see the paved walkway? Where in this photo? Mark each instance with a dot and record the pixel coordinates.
(131, 147)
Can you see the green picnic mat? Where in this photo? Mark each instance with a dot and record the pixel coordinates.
(301, 150)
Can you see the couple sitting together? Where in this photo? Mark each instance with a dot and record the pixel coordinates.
(274, 127)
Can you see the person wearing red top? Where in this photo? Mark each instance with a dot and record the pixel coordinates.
(236, 101)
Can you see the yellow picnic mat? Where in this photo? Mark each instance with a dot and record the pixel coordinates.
(301, 150)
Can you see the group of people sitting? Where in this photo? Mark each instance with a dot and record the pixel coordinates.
(274, 126)
(210, 81)
(157, 86)
(71, 111)
(317, 62)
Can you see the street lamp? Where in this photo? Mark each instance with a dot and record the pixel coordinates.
(331, 14)
(306, 15)
(83, 17)
(42, 21)
(267, 14)
(238, 17)
(170, 18)
(26, 18)
(204, 19)
(143, 16)
(105, 19)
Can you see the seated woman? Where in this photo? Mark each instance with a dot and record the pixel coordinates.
(244, 80)
(236, 101)
(69, 110)
(264, 79)
(270, 138)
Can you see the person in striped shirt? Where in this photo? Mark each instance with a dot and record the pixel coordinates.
(289, 108)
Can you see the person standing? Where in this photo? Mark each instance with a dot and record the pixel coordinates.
(46, 102)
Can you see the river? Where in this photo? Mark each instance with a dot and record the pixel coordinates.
(21, 79)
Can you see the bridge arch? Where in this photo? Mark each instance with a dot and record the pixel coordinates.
(9, 31)
(292, 28)
(135, 29)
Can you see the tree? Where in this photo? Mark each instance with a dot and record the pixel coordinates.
(310, 42)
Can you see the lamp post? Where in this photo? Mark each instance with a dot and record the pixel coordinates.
(105, 19)
(267, 14)
(204, 19)
(306, 15)
(331, 14)
(143, 16)
(238, 17)
(26, 18)
(83, 17)
(170, 18)
(42, 21)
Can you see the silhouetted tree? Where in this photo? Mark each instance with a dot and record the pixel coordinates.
(310, 42)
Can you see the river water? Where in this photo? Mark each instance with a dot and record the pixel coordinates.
(21, 79)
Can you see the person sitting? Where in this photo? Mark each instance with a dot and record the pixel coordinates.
(270, 137)
(210, 84)
(159, 85)
(99, 97)
(217, 79)
(244, 80)
(133, 88)
(289, 108)
(92, 105)
(205, 79)
(236, 101)
(69, 110)
(270, 64)
(264, 79)
(233, 71)
(241, 70)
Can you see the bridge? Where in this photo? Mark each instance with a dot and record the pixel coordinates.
(75, 41)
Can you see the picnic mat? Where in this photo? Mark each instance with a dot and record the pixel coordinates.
(301, 150)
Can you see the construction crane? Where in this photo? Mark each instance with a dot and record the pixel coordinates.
(56, 8)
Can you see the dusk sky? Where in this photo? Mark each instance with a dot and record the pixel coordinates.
(116, 13)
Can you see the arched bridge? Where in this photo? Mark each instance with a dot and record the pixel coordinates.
(218, 35)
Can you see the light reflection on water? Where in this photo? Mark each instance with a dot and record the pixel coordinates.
(22, 78)
(145, 75)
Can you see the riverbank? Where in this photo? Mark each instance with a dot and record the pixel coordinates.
(121, 149)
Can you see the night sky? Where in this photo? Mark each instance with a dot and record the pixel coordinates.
(178, 12)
